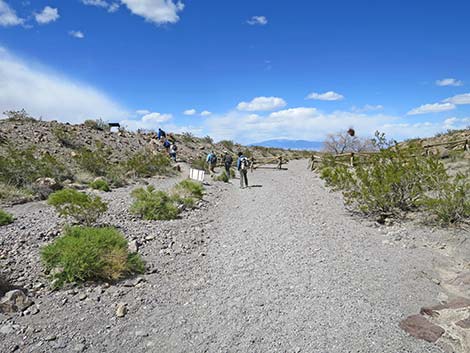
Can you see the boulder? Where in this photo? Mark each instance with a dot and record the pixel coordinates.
(43, 187)
(14, 301)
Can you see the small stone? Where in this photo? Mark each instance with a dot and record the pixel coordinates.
(436, 281)
(121, 310)
(82, 296)
(15, 301)
(50, 338)
(133, 246)
(79, 347)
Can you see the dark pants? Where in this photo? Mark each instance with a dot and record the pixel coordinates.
(243, 177)
(227, 169)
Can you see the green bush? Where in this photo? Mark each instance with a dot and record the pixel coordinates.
(89, 254)
(228, 144)
(146, 164)
(151, 204)
(450, 201)
(222, 177)
(200, 163)
(66, 138)
(392, 180)
(83, 208)
(21, 167)
(97, 161)
(5, 218)
(208, 139)
(189, 188)
(187, 137)
(100, 184)
(98, 124)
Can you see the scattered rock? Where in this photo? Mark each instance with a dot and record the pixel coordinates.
(133, 246)
(417, 326)
(121, 310)
(15, 301)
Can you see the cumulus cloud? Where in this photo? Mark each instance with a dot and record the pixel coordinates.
(111, 7)
(47, 15)
(367, 108)
(449, 82)
(150, 121)
(190, 112)
(50, 95)
(257, 20)
(432, 108)
(156, 11)
(77, 34)
(8, 17)
(327, 96)
(262, 104)
(459, 99)
(205, 113)
(143, 112)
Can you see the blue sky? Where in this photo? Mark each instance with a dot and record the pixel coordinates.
(257, 69)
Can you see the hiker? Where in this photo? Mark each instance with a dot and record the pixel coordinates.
(167, 145)
(161, 134)
(212, 161)
(243, 163)
(173, 149)
(227, 160)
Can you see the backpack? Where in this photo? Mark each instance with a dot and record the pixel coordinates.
(228, 159)
(213, 159)
(244, 163)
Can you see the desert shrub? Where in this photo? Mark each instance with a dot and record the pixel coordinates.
(450, 200)
(228, 144)
(5, 218)
(96, 162)
(19, 115)
(98, 124)
(83, 208)
(187, 137)
(222, 177)
(392, 181)
(207, 139)
(21, 167)
(200, 163)
(342, 142)
(100, 184)
(66, 138)
(189, 188)
(13, 194)
(146, 164)
(89, 254)
(151, 204)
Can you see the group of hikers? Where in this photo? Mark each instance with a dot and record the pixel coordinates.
(243, 163)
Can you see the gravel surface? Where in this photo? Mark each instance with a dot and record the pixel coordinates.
(278, 267)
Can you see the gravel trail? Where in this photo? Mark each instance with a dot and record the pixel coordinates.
(278, 267)
(288, 270)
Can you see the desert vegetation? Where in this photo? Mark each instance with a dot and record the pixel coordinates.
(397, 179)
(5, 218)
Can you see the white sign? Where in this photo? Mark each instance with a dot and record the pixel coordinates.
(196, 174)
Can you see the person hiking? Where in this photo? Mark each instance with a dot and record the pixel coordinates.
(212, 161)
(243, 163)
(173, 149)
(167, 145)
(161, 134)
(227, 160)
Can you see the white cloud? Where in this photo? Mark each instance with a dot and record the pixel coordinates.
(294, 123)
(456, 123)
(205, 113)
(432, 108)
(77, 34)
(327, 96)
(262, 104)
(459, 99)
(8, 16)
(143, 112)
(111, 7)
(47, 15)
(367, 108)
(156, 118)
(50, 95)
(449, 82)
(156, 11)
(190, 112)
(257, 20)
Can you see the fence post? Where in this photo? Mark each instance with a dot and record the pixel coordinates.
(352, 159)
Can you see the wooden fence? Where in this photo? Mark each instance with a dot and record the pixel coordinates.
(350, 159)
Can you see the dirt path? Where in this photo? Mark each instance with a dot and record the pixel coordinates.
(278, 267)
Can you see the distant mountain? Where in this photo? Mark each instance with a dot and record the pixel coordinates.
(291, 144)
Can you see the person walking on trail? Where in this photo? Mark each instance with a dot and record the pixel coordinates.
(212, 161)
(173, 149)
(227, 160)
(167, 145)
(161, 134)
(243, 163)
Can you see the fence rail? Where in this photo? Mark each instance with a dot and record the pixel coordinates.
(353, 157)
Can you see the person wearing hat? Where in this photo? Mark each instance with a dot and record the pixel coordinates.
(227, 160)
